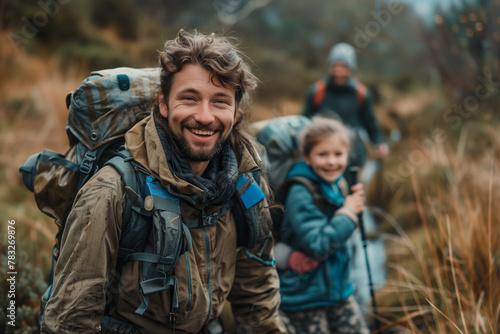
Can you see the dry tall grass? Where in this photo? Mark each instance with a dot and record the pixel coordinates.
(446, 277)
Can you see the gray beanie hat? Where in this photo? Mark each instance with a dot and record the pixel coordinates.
(343, 53)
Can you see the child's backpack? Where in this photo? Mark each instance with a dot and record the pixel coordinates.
(280, 138)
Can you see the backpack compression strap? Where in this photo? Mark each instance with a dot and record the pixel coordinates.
(171, 239)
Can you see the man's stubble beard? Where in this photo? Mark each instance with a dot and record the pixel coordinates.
(195, 155)
(183, 145)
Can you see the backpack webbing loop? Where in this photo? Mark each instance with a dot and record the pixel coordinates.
(58, 159)
(88, 167)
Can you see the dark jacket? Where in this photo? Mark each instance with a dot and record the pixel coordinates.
(342, 103)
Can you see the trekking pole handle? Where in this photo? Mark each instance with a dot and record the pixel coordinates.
(353, 173)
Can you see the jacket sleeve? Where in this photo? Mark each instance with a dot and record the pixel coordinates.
(255, 296)
(87, 260)
(369, 120)
(313, 232)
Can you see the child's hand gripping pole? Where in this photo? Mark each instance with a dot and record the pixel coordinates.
(354, 171)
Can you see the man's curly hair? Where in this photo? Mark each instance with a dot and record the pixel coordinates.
(217, 54)
(220, 56)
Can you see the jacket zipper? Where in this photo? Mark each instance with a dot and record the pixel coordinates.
(189, 283)
(207, 248)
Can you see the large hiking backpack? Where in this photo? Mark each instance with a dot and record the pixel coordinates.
(101, 110)
(103, 107)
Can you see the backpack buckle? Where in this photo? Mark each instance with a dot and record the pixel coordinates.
(87, 163)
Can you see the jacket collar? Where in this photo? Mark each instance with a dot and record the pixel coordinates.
(331, 191)
(144, 144)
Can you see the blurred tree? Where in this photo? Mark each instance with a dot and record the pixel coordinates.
(119, 14)
(463, 45)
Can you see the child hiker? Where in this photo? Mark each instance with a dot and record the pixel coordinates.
(316, 294)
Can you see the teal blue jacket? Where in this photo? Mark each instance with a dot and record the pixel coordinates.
(321, 236)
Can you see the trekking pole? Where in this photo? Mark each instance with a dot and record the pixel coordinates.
(354, 178)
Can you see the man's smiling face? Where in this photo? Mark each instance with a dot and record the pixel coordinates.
(200, 112)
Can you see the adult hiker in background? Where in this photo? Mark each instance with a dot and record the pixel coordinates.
(340, 96)
(319, 218)
(194, 151)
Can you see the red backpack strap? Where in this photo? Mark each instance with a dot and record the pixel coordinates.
(360, 93)
(319, 93)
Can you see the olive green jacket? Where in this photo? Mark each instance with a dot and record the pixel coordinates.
(87, 282)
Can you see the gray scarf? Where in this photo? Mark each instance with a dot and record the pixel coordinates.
(219, 180)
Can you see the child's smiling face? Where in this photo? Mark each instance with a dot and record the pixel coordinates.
(328, 158)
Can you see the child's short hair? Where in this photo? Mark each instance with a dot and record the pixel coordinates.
(320, 129)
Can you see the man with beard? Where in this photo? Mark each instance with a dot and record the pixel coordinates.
(192, 148)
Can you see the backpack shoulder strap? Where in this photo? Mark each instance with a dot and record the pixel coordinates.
(361, 92)
(246, 208)
(319, 93)
(313, 187)
(135, 225)
(122, 162)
